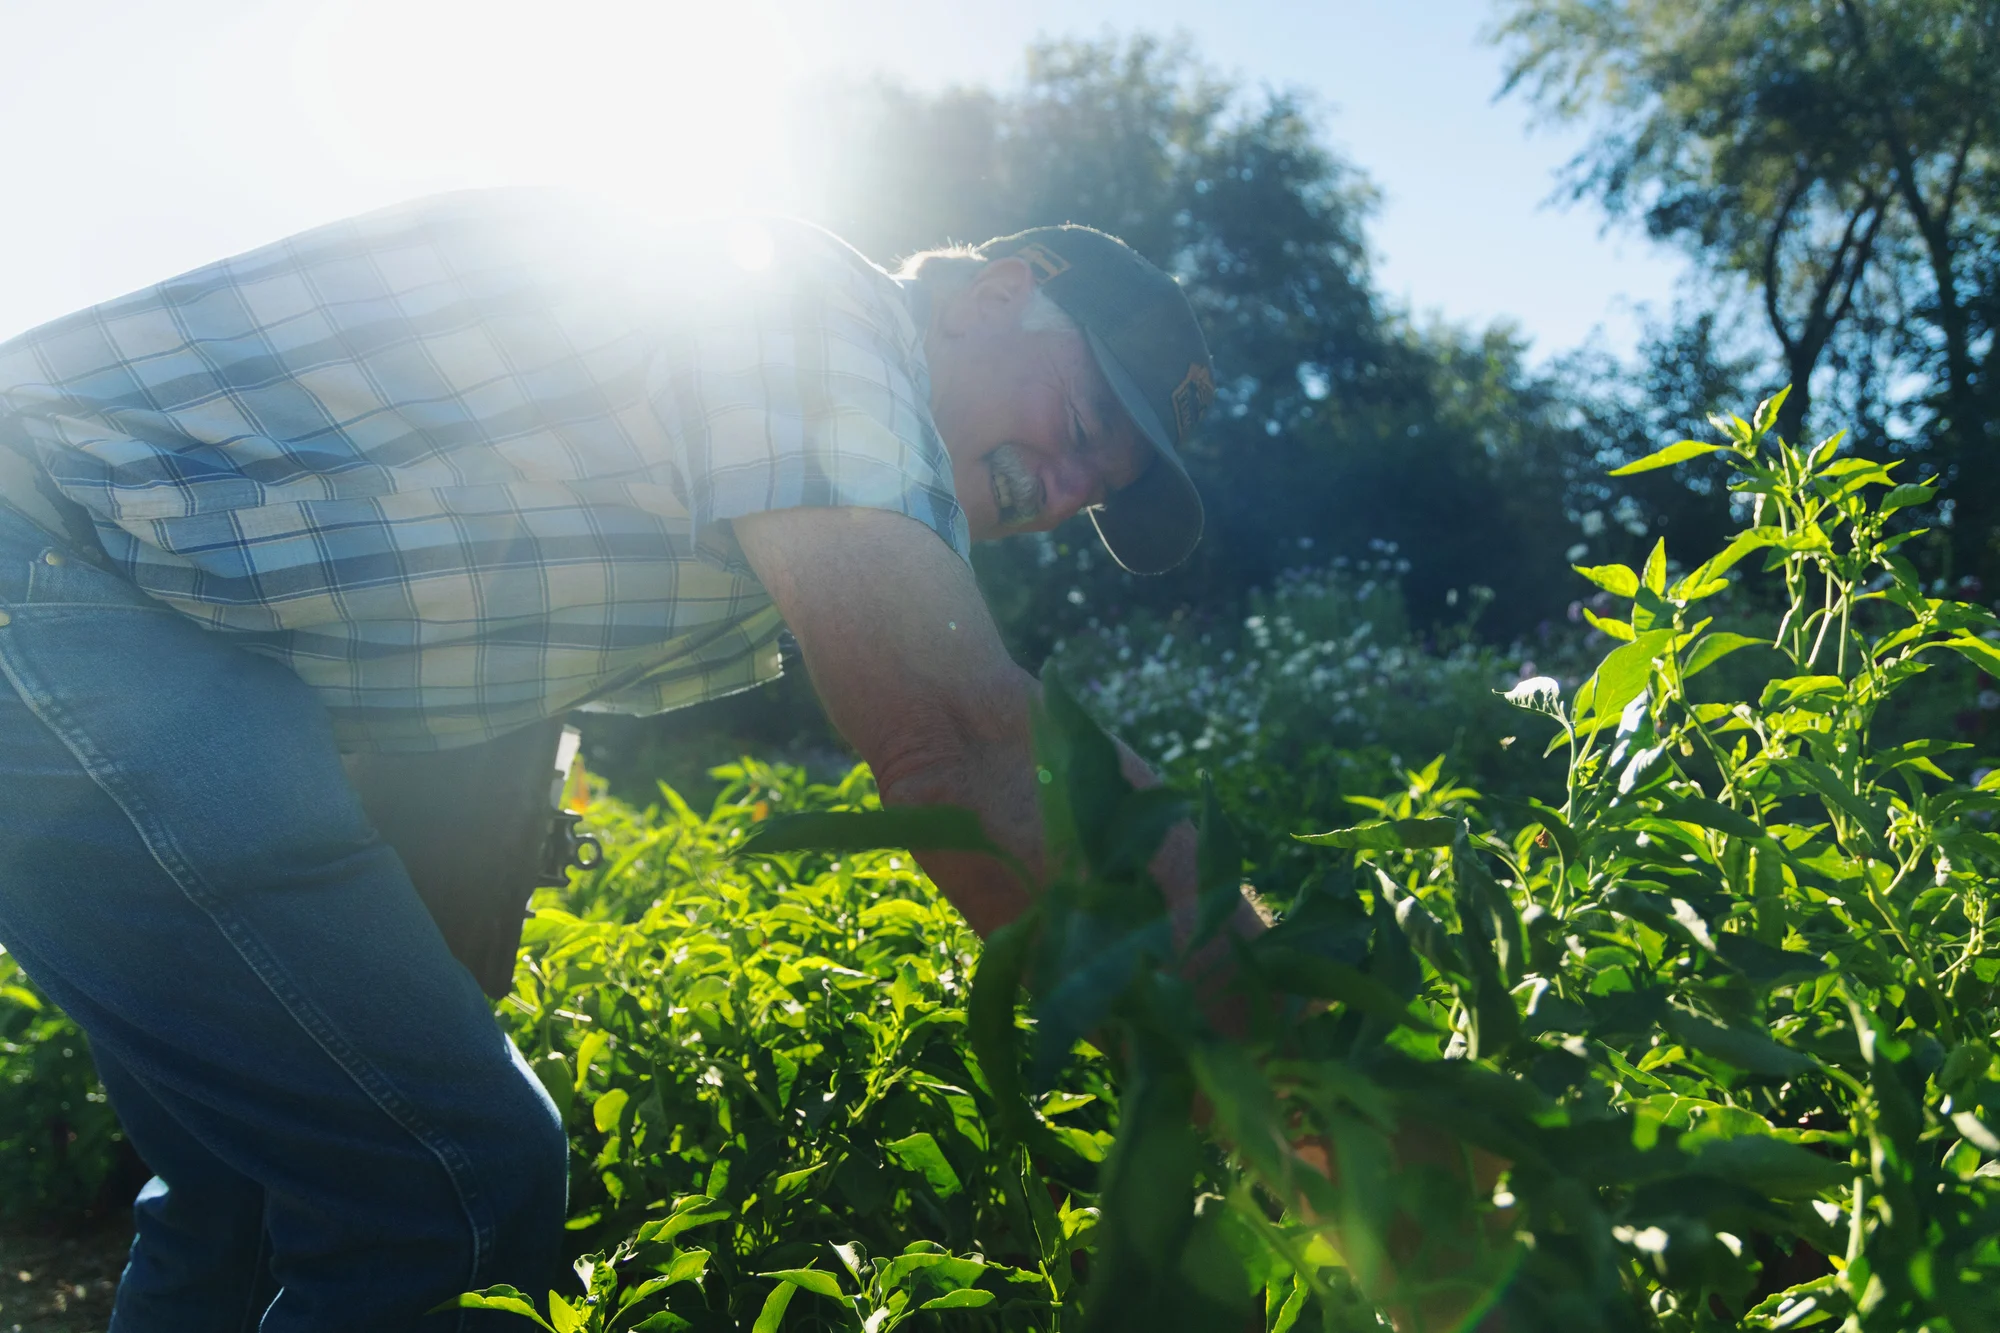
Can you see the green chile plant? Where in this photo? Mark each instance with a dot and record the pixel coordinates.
(772, 1050)
(1704, 1046)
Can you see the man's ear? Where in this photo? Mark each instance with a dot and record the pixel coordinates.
(994, 300)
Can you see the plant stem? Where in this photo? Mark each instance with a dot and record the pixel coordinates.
(1825, 616)
(1846, 609)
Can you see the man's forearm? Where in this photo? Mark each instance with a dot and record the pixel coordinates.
(984, 764)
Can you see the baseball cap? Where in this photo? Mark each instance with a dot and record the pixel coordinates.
(1146, 341)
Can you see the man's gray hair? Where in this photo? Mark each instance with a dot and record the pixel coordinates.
(950, 269)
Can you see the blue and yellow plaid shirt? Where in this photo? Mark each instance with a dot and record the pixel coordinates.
(471, 462)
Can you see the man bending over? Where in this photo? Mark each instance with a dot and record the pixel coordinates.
(416, 480)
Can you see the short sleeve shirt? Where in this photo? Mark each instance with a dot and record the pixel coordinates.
(471, 462)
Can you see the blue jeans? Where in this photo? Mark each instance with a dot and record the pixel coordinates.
(342, 1135)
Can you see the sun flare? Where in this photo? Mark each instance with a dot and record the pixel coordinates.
(665, 104)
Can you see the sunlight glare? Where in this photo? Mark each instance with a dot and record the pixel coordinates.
(751, 247)
(664, 104)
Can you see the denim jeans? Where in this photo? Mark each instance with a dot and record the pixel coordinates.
(341, 1134)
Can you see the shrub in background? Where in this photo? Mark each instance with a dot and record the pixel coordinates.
(1320, 696)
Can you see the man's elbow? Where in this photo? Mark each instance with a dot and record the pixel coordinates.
(941, 751)
(921, 766)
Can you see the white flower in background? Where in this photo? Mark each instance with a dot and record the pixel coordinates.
(1652, 1240)
(1310, 665)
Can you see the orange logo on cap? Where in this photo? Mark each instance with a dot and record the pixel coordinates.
(1045, 262)
(1192, 397)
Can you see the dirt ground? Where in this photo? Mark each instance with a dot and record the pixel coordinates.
(60, 1283)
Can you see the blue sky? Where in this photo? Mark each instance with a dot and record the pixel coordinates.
(143, 139)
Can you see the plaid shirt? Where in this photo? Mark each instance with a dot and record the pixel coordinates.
(471, 462)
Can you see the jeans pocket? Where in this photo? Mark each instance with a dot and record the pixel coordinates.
(58, 576)
(37, 568)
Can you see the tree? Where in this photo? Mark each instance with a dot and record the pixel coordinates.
(1842, 158)
(1686, 367)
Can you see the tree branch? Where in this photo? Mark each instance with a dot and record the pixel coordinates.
(1861, 255)
(1850, 257)
(1772, 308)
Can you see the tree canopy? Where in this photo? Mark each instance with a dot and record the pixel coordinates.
(1840, 159)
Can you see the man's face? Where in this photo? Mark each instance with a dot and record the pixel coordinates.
(1034, 432)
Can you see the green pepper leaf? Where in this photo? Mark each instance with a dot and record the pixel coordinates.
(1902, 497)
(1218, 867)
(1296, 972)
(1752, 1052)
(990, 1025)
(1979, 652)
(772, 1316)
(666, 1321)
(1387, 835)
(810, 1279)
(1765, 965)
(1618, 580)
(926, 828)
(1084, 762)
(504, 1298)
(1667, 457)
(1766, 415)
(1711, 814)
(919, 1152)
(1712, 648)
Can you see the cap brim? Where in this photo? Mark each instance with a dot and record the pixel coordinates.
(1151, 525)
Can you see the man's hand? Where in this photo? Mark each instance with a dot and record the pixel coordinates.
(1427, 1257)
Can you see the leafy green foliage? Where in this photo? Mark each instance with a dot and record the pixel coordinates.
(770, 1044)
(1723, 1016)
(58, 1138)
(1701, 1040)
(1706, 1045)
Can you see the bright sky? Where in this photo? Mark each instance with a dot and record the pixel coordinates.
(142, 139)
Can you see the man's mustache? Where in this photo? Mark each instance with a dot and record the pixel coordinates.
(1017, 492)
